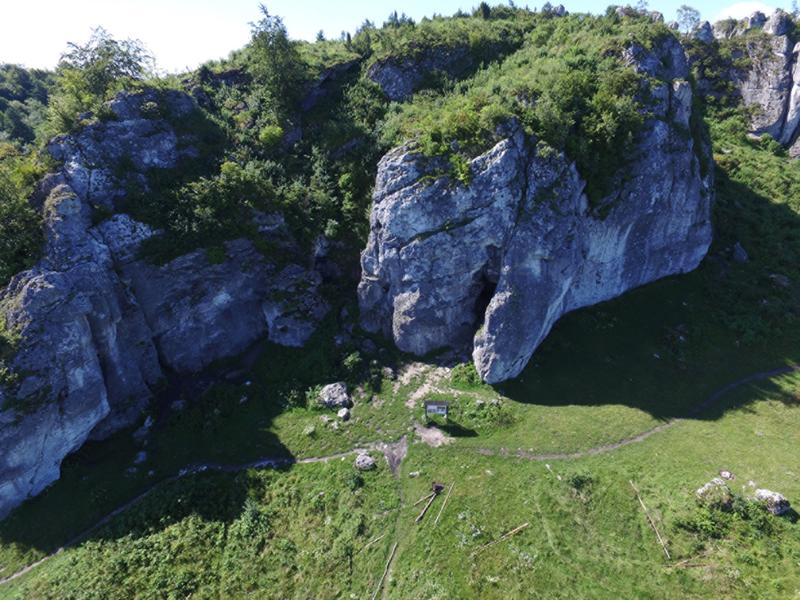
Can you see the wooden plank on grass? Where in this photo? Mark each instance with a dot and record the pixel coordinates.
(650, 520)
(514, 531)
(424, 510)
(446, 498)
(385, 571)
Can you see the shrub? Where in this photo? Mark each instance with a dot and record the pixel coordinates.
(270, 135)
(20, 225)
(465, 375)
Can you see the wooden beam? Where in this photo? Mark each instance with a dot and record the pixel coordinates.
(650, 520)
(424, 510)
(385, 571)
(501, 538)
(446, 498)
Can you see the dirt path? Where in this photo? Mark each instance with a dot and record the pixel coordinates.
(394, 455)
(395, 452)
(606, 448)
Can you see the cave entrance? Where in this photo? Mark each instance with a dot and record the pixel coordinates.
(485, 295)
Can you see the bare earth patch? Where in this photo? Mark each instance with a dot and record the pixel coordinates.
(432, 376)
(433, 436)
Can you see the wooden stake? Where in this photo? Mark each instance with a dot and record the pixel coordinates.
(649, 520)
(385, 571)
(377, 539)
(424, 510)
(501, 538)
(446, 498)
(424, 498)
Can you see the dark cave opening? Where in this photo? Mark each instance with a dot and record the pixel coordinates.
(487, 289)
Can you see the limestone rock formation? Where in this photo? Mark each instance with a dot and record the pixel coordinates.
(500, 260)
(770, 81)
(399, 78)
(776, 503)
(138, 138)
(364, 462)
(98, 327)
(334, 395)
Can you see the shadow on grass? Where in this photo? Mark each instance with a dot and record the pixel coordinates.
(216, 430)
(791, 515)
(676, 347)
(454, 429)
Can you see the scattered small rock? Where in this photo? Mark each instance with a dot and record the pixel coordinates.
(140, 457)
(364, 462)
(740, 254)
(715, 494)
(142, 432)
(413, 474)
(342, 339)
(344, 414)
(368, 347)
(776, 503)
(334, 395)
(727, 475)
(780, 280)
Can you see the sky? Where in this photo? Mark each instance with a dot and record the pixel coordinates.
(182, 34)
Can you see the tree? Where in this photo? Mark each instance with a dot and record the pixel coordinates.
(276, 63)
(320, 36)
(104, 61)
(484, 10)
(688, 18)
(88, 73)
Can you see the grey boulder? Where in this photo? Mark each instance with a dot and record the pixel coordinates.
(334, 395)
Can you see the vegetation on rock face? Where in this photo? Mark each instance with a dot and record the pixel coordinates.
(24, 96)
(299, 127)
(20, 224)
(567, 85)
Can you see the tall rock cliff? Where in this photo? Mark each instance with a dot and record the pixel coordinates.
(766, 75)
(499, 261)
(98, 327)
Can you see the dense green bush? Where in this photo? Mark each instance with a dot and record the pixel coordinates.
(206, 211)
(23, 102)
(567, 85)
(20, 225)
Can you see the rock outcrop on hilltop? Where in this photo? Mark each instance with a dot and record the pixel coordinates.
(770, 80)
(98, 327)
(500, 260)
